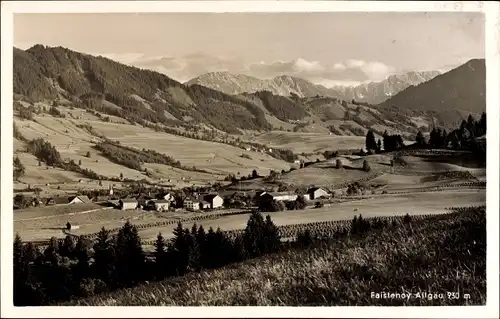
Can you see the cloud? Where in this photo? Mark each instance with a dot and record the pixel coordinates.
(339, 66)
(301, 65)
(355, 63)
(189, 66)
(377, 70)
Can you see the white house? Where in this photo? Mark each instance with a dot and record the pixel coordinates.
(169, 197)
(162, 205)
(214, 200)
(128, 203)
(191, 204)
(279, 196)
(317, 192)
(204, 205)
(79, 200)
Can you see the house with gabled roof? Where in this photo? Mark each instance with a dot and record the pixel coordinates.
(128, 203)
(56, 201)
(213, 199)
(317, 192)
(82, 199)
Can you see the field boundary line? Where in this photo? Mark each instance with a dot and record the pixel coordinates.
(68, 214)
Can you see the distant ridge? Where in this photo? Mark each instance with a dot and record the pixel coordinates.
(373, 93)
(462, 89)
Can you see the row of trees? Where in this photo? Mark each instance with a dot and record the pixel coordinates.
(460, 138)
(277, 206)
(391, 142)
(70, 269)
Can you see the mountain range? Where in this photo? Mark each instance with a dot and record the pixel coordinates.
(57, 75)
(373, 92)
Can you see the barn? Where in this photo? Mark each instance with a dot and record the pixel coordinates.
(162, 205)
(214, 200)
(128, 203)
(79, 200)
(317, 192)
(56, 201)
(191, 204)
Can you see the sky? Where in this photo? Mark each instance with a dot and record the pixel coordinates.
(335, 48)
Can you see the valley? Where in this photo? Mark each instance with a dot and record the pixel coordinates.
(102, 146)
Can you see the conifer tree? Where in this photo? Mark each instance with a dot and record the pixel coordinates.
(201, 240)
(254, 242)
(194, 256)
(160, 256)
(366, 166)
(51, 253)
(370, 142)
(300, 202)
(129, 255)
(67, 247)
(210, 249)
(420, 139)
(271, 235)
(338, 164)
(224, 248)
(82, 256)
(19, 271)
(104, 257)
(180, 249)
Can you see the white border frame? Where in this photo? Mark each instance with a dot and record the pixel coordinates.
(492, 45)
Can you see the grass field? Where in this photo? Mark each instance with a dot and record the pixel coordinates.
(385, 205)
(74, 143)
(438, 256)
(30, 226)
(309, 142)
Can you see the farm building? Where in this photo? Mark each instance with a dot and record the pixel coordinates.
(79, 200)
(191, 204)
(279, 196)
(169, 197)
(113, 203)
(204, 205)
(214, 200)
(35, 202)
(161, 205)
(128, 203)
(56, 201)
(317, 192)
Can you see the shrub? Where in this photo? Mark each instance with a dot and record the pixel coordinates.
(366, 166)
(338, 164)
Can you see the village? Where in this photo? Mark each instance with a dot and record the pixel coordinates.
(165, 201)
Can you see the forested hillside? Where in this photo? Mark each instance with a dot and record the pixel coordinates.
(44, 73)
(57, 75)
(458, 91)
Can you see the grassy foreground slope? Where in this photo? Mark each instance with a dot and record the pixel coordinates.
(437, 255)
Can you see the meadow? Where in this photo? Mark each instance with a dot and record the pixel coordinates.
(434, 261)
(385, 205)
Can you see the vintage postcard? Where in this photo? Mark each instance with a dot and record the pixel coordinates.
(323, 158)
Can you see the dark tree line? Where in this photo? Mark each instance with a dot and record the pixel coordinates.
(134, 158)
(392, 142)
(105, 80)
(44, 151)
(72, 268)
(463, 137)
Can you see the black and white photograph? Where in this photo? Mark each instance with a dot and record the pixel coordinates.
(237, 157)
